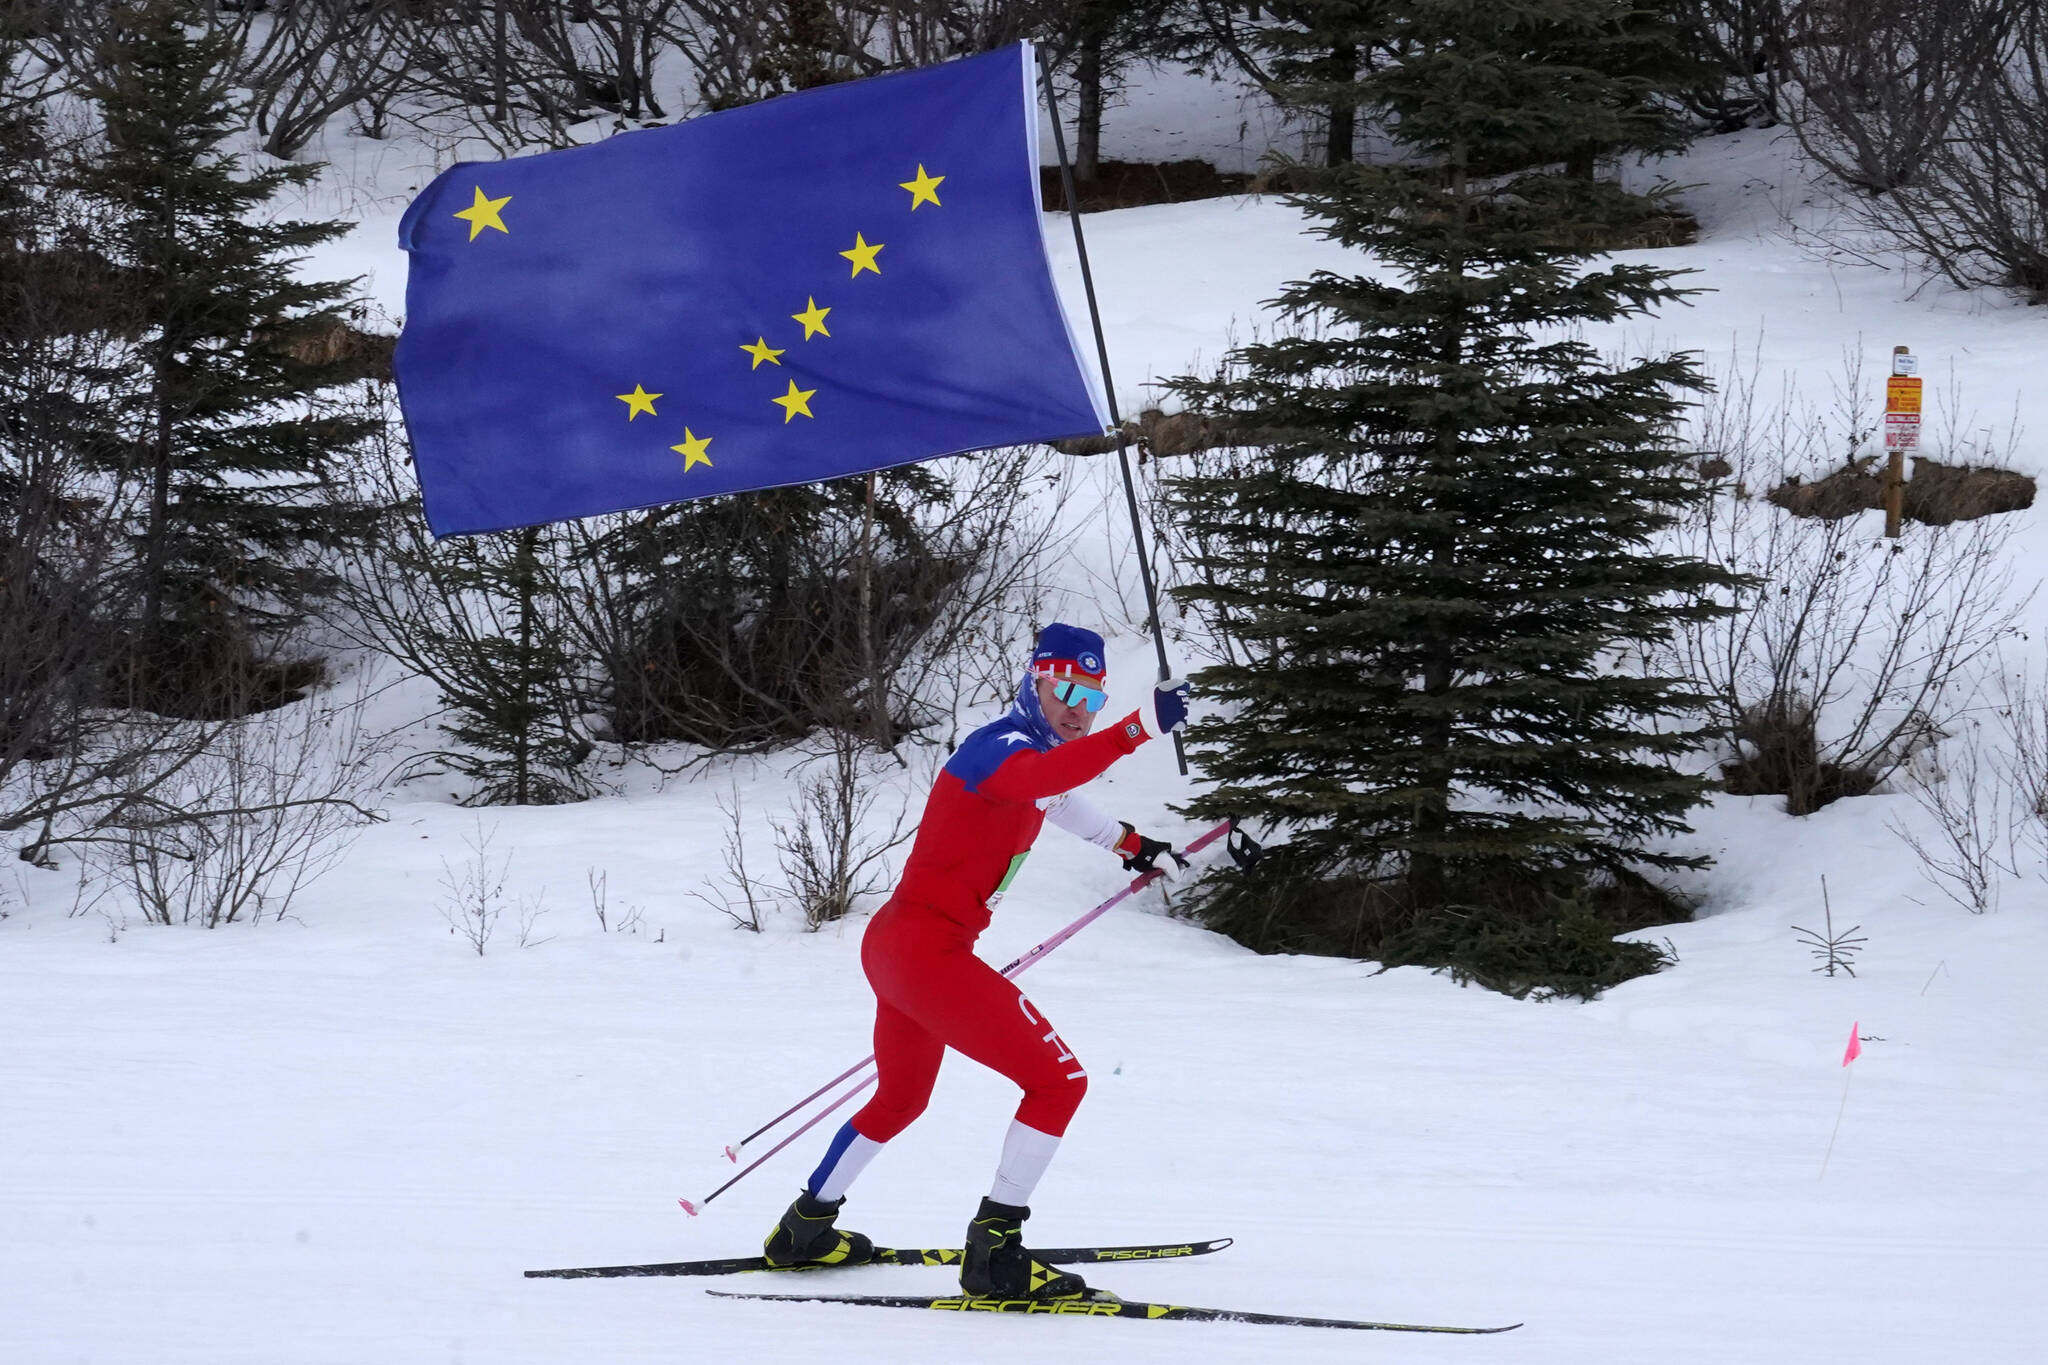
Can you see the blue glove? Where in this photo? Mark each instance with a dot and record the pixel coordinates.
(1169, 708)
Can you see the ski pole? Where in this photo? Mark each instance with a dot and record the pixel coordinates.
(808, 1124)
(1016, 968)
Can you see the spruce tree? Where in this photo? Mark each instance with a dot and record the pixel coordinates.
(1437, 548)
(1618, 68)
(484, 618)
(230, 411)
(507, 674)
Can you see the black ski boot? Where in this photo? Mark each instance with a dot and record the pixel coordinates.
(805, 1236)
(997, 1266)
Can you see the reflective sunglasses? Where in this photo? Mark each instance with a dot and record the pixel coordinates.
(1070, 693)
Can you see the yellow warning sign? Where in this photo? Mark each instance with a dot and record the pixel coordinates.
(1901, 394)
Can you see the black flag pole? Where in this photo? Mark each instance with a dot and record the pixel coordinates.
(1059, 142)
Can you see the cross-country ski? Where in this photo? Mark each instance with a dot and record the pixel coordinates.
(1085, 1307)
(903, 1256)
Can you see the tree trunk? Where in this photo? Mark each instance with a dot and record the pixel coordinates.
(878, 701)
(1343, 114)
(154, 554)
(628, 68)
(501, 103)
(1427, 883)
(1088, 110)
(522, 744)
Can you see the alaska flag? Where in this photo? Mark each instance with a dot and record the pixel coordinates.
(831, 282)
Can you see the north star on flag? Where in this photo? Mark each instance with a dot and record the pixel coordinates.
(832, 282)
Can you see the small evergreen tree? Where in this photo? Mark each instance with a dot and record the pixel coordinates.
(229, 415)
(1439, 555)
(508, 675)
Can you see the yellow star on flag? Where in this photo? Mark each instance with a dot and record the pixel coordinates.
(795, 401)
(637, 402)
(761, 351)
(924, 189)
(813, 319)
(692, 449)
(863, 255)
(484, 214)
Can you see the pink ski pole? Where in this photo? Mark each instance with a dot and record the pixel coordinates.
(1016, 968)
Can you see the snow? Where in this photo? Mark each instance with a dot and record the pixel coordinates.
(341, 1137)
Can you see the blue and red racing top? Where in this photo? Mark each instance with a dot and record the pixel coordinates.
(992, 798)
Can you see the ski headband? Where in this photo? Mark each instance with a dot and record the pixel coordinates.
(1065, 651)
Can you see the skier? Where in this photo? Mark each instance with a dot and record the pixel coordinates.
(932, 992)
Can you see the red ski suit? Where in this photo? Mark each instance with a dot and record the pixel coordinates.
(931, 991)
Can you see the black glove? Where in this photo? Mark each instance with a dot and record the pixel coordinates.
(1140, 853)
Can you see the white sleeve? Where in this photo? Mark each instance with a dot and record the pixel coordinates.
(1079, 816)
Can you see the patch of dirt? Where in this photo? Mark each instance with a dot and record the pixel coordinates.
(1851, 489)
(1128, 184)
(1939, 493)
(1936, 494)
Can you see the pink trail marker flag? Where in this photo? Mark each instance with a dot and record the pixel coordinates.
(1855, 1048)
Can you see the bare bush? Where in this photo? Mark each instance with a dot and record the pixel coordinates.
(737, 625)
(473, 891)
(1742, 47)
(1938, 114)
(625, 920)
(1881, 84)
(307, 61)
(473, 898)
(237, 831)
(1965, 795)
(743, 899)
(1002, 528)
(2023, 716)
(1851, 650)
(828, 849)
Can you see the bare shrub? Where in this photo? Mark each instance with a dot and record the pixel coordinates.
(1938, 114)
(1742, 48)
(473, 897)
(738, 625)
(1851, 649)
(626, 920)
(236, 831)
(1881, 83)
(743, 899)
(2023, 717)
(1965, 795)
(473, 891)
(827, 847)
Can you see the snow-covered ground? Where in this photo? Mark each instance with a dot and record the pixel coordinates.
(340, 1138)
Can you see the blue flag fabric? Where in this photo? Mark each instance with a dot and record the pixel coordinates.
(832, 282)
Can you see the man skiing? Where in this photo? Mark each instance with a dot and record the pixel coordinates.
(932, 992)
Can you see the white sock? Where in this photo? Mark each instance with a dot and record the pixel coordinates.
(853, 1159)
(1026, 1153)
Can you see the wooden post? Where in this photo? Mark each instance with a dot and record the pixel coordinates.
(1901, 434)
